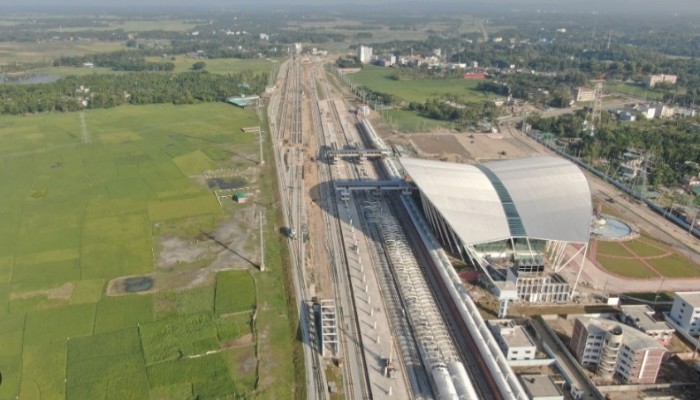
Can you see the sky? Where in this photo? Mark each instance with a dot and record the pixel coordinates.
(668, 7)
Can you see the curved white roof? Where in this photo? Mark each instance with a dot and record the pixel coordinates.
(539, 197)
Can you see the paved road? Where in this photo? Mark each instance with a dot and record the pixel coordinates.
(564, 362)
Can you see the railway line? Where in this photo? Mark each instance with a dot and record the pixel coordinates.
(291, 194)
(354, 381)
(400, 333)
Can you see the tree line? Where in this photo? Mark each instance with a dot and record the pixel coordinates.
(112, 90)
(673, 145)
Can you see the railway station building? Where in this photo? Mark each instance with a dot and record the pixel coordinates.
(520, 222)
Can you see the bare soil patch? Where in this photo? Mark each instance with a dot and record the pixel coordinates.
(175, 250)
(60, 293)
(243, 341)
(440, 145)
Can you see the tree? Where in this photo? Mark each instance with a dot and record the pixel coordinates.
(562, 97)
(199, 65)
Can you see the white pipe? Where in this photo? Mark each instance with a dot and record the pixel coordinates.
(503, 375)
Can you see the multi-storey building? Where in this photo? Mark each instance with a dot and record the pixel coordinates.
(686, 312)
(616, 351)
(642, 318)
(364, 54)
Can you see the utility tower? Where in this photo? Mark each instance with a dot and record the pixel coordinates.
(595, 118)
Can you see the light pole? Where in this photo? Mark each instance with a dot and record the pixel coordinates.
(656, 297)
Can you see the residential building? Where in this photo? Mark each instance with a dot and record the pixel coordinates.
(616, 351)
(662, 78)
(364, 54)
(585, 94)
(686, 312)
(664, 111)
(541, 387)
(649, 112)
(642, 318)
(515, 342)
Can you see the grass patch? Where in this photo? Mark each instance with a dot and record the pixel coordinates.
(220, 65)
(675, 266)
(632, 268)
(106, 366)
(115, 313)
(207, 375)
(235, 292)
(418, 90)
(10, 367)
(11, 334)
(177, 337)
(194, 163)
(116, 246)
(29, 52)
(647, 247)
(87, 291)
(635, 90)
(191, 301)
(233, 327)
(175, 209)
(409, 121)
(615, 249)
(55, 325)
(44, 371)
(174, 391)
(44, 275)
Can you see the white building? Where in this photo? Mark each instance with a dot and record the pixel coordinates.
(515, 342)
(642, 318)
(686, 312)
(664, 111)
(617, 351)
(501, 215)
(662, 78)
(364, 54)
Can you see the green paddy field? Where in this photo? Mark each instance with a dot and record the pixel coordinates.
(81, 197)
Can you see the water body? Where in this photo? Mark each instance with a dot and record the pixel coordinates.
(138, 284)
(612, 229)
(28, 79)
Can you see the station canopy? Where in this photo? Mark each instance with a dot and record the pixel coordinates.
(542, 197)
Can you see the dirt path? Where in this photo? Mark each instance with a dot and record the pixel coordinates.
(84, 133)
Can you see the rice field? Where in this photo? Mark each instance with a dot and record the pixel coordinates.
(80, 214)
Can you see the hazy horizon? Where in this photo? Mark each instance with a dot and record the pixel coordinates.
(669, 7)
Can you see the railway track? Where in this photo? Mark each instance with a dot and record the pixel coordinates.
(289, 175)
(350, 339)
